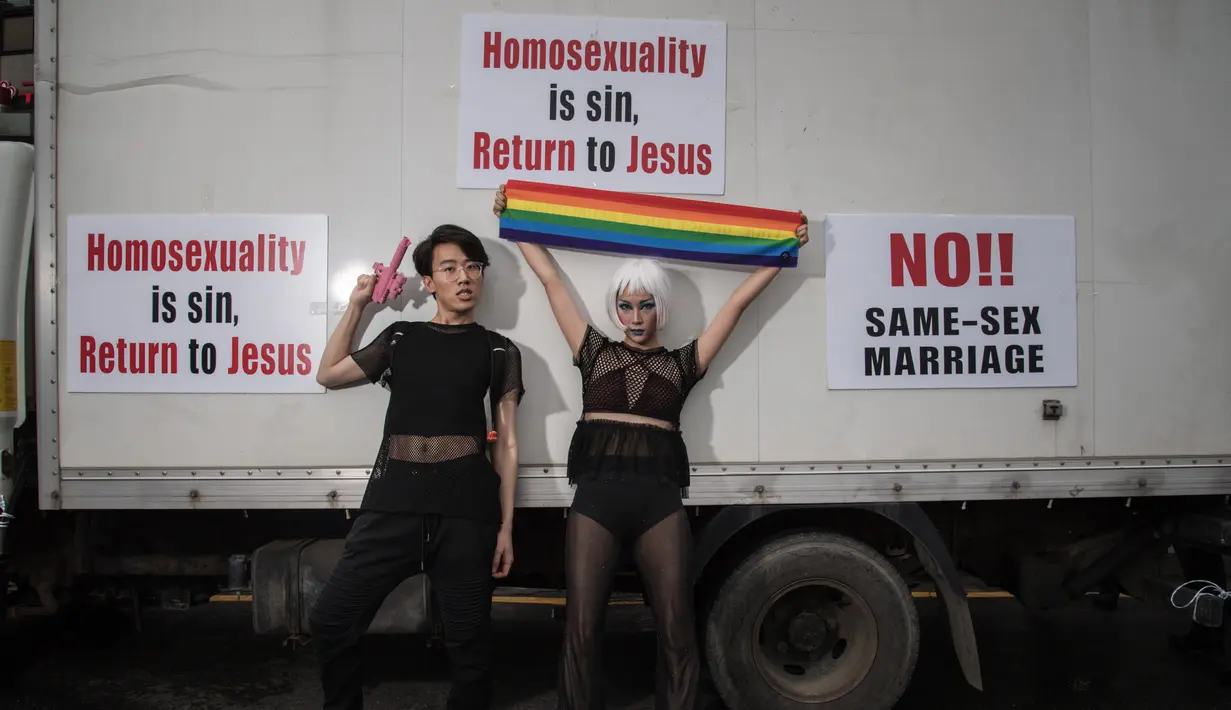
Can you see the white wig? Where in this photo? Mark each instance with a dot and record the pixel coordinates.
(639, 275)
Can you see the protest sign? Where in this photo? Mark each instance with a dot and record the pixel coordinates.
(942, 301)
(196, 303)
(618, 104)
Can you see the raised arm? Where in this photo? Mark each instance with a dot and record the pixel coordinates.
(719, 329)
(337, 368)
(572, 325)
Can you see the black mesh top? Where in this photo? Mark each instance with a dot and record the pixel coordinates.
(432, 456)
(619, 379)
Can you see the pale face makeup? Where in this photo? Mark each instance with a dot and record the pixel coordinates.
(639, 318)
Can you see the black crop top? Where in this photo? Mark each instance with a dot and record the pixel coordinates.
(432, 457)
(620, 379)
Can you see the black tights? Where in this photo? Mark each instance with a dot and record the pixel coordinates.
(663, 556)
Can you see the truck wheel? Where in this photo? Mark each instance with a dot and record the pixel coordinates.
(812, 621)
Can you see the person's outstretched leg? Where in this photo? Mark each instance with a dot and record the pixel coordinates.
(460, 569)
(590, 556)
(381, 550)
(664, 559)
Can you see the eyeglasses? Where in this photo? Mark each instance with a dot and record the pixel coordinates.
(451, 272)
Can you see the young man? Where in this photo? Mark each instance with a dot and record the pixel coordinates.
(434, 501)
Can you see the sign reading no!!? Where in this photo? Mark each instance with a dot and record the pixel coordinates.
(932, 301)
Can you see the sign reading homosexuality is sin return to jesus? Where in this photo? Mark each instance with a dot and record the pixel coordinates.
(196, 303)
(610, 103)
(951, 301)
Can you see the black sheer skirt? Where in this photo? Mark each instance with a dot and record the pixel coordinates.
(605, 450)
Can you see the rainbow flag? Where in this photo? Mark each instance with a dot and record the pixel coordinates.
(646, 225)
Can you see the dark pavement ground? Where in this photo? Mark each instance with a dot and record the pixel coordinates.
(208, 658)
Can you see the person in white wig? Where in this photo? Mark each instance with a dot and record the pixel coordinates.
(629, 462)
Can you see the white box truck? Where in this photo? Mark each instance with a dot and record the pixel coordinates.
(854, 446)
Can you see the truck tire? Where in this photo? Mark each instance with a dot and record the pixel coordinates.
(812, 621)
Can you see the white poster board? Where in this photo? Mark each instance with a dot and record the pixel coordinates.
(618, 104)
(944, 301)
(196, 303)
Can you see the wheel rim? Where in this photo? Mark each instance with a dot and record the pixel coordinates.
(814, 640)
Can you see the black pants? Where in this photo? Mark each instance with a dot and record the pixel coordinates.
(605, 517)
(381, 551)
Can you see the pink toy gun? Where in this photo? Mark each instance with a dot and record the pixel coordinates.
(389, 282)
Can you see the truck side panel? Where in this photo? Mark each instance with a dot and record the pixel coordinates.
(1162, 246)
(1038, 107)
